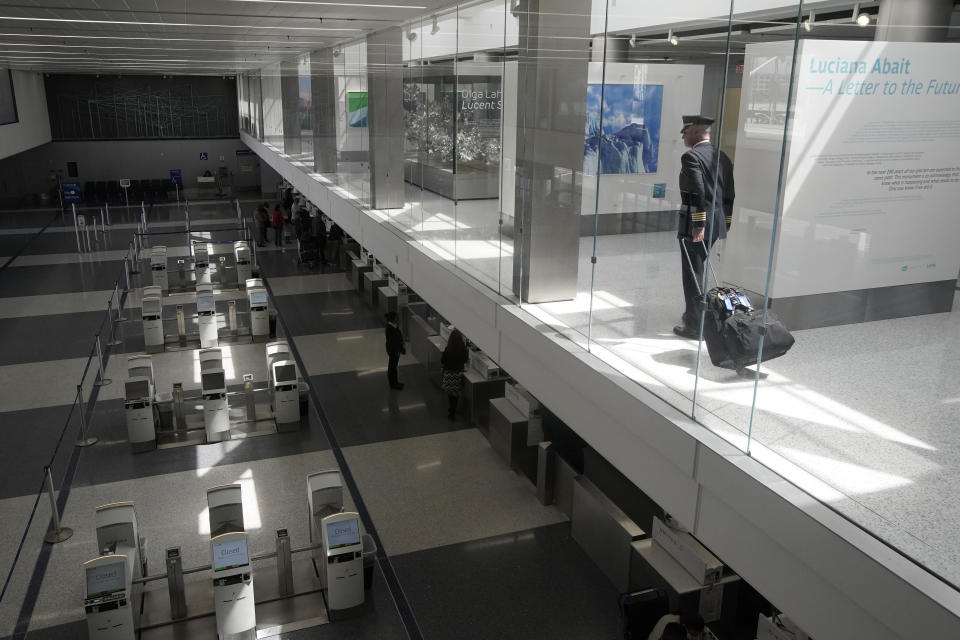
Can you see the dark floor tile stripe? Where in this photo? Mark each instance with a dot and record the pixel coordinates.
(399, 597)
(40, 568)
(27, 243)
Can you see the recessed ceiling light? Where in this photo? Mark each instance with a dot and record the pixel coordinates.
(175, 24)
(336, 4)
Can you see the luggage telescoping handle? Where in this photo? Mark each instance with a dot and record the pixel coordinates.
(690, 264)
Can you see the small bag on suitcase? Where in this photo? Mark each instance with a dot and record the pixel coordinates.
(733, 329)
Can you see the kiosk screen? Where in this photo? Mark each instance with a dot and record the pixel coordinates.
(343, 533)
(258, 297)
(286, 373)
(227, 518)
(116, 535)
(105, 579)
(137, 389)
(230, 554)
(213, 380)
(205, 303)
(151, 307)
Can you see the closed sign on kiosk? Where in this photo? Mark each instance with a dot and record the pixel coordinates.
(105, 579)
(343, 534)
(230, 554)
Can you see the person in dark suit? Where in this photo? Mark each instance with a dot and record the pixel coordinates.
(706, 192)
(395, 347)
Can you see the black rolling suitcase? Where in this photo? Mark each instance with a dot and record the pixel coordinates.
(733, 329)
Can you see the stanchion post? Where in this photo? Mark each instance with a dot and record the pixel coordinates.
(58, 533)
(82, 440)
(116, 291)
(102, 381)
(76, 227)
(114, 338)
(106, 207)
(134, 262)
(126, 273)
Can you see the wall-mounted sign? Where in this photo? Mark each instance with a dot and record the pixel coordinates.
(71, 192)
(203, 155)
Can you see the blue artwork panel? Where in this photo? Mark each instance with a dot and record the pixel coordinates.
(624, 135)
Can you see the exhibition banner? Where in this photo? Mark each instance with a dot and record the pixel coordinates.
(872, 172)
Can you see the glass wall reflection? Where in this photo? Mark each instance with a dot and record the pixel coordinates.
(542, 157)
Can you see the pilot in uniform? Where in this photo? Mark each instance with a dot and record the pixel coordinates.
(706, 192)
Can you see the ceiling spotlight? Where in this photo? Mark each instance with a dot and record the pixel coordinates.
(672, 39)
(411, 34)
(808, 23)
(435, 28)
(633, 40)
(862, 19)
(515, 8)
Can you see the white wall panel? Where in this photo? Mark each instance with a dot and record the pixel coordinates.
(33, 127)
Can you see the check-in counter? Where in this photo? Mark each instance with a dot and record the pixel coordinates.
(652, 566)
(372, 284)
(358, 268)
(509, 433)
(349, 251)
(478, 391)
(418, 334)
(413, 307)
(432, 354)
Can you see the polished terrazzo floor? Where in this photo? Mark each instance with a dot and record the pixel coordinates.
(461, 534)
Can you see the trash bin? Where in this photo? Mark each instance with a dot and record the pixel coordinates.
(369, 557)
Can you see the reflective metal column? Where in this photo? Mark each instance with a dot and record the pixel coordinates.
(385, 118)
(551, 118)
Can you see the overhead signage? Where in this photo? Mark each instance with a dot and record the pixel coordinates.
(71, 192)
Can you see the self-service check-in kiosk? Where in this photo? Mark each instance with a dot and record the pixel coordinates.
(210, 359)
(232, 574)
(153, 290)
(140, 366)
(342, 572)
(286, 394)
(259, 314)
(140, 414)
(324, 497)
(254, 282)
(152, 314)
(111, 604)
(241, 255)
(158, 266)
(201, 262)
(276, 351)
(233, 594)
(207, 319)
(216, 409)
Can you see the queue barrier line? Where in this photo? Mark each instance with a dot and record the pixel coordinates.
(43, 559)
(386, 567)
